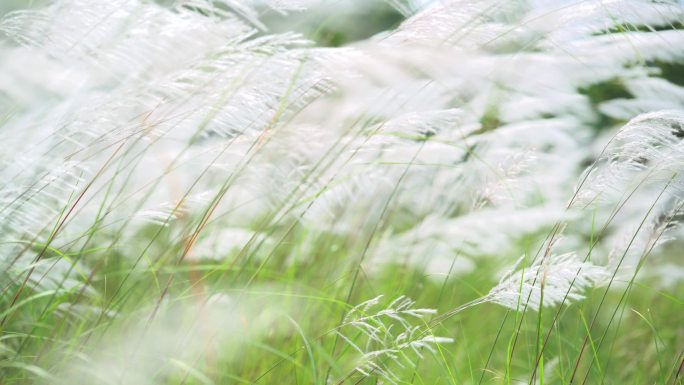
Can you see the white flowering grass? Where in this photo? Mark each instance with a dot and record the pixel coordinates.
(210, 191)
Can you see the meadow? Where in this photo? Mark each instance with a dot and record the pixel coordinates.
(341, 192)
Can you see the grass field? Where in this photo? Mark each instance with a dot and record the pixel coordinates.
(341, 192)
